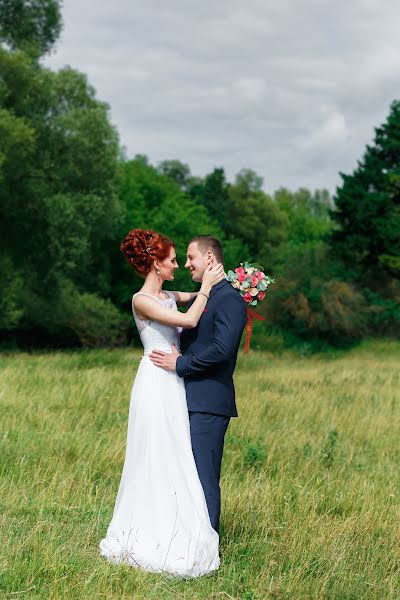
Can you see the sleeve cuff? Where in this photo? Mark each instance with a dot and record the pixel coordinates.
(181, 366)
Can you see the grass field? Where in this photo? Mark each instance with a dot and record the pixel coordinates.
(311, 482)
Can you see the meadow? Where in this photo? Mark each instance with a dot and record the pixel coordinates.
(310, 477)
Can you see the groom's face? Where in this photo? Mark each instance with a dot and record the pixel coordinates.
(197, 262)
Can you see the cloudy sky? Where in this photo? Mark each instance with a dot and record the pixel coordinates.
(290, 88)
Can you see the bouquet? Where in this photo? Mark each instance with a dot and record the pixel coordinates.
(252, 283)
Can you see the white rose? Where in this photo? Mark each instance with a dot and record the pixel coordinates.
(253, 291)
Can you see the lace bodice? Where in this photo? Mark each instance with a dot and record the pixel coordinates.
(154, 335)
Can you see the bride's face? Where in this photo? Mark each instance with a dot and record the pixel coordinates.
(168, 266)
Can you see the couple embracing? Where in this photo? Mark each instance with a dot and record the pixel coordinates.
(166, 514)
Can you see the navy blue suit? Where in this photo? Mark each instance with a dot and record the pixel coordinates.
(207, 365)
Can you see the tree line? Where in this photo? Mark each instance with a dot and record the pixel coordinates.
(68, 195)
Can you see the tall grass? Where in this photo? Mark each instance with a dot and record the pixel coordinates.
(310, 478)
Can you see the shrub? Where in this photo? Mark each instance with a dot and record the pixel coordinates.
(11, 289)
(96, 322)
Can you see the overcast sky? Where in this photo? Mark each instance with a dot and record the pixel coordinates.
(290, 88)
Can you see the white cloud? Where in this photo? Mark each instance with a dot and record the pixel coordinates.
(251, 88)
(333, 129)
(292, 89)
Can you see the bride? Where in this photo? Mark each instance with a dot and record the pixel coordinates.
(160, 521)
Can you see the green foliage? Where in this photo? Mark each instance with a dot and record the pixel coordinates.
(368, 208)
(17, 142)
(367, 235)
(177, 171)
(312, 302)
(68, 197)
(215, 198)
(59, 211)
(71, 317)
(308, 217)
(255, 218)
(30, 25)
(94, 321)
(11, 290)
(316, 299)
(384, 312)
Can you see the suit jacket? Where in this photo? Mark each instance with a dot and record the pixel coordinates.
(210, 353)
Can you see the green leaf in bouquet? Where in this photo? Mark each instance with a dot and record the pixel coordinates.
(253, 303)
(247, 265)
(245, 284)
(262, 286)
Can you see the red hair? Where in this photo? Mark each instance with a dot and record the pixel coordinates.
(141, 248)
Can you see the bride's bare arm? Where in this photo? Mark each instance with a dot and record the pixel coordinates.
(183, 298)
(150, 308)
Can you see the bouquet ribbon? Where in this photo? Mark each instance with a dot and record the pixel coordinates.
(251, 315)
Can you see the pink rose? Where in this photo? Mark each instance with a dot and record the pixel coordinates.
(260, 275)
(247, 297)
(242, 277)
(239, 270)
(261, 295)
(254, 281)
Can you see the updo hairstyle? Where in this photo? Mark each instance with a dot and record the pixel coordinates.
(141, 248)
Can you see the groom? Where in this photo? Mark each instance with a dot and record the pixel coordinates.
(207, 363)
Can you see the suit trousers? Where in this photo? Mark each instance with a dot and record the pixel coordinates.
(208, 433)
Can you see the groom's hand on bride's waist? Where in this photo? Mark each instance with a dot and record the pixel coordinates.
(165, 360)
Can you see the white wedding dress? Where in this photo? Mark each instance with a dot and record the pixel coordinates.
(160, 521)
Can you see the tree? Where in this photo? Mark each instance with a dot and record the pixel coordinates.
(59, 209)
(308, 214)
(254, 218)
(177, 171)
(30, 25)
(215, 197)
(10, 297)
(311, 301)
(248, 181)
(367, 211)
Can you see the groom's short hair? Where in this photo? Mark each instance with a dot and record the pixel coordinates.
(209, 242)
